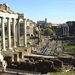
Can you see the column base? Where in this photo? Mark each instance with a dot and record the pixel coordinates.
(3, 49)
(14, 46)
(25, 45)
(10, 48)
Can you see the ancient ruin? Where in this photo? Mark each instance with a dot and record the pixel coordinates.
(9, 15)
(16, 58)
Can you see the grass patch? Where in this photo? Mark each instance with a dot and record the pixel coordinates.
(70, 47)
(32, 41)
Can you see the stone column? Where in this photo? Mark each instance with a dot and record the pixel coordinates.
(63, 30)
(18, 33)
(25, 33)
(39, 36)
(14, 34)
(3, 34)
(68, 30)
(9, 33)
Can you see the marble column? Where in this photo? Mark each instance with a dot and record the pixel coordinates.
(63, 30)
(14, 34)
(3, 34)
(25, 33)
(9, 33)
(68, 30)
(39, 36)
(18, 33)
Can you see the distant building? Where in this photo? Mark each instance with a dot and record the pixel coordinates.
(64, 29)
(44, 23)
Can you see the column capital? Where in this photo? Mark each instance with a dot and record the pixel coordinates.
(8, 18)
(2, 17)
(13, 18)
(24, 19)
(17, 19)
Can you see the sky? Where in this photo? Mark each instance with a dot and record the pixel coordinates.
(56, 11)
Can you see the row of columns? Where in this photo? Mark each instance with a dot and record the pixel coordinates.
(14, 33)
(65, 30)
(24, 33)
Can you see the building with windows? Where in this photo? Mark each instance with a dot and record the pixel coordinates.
(44, 23)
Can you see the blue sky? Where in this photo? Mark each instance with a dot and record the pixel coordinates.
(56, 11)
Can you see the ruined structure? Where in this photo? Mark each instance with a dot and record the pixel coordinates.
(15, 58)
(7, 14)
(8, 50)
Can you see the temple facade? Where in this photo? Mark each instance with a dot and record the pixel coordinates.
(6, 14)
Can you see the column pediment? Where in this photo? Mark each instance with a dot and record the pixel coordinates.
(3, 14)
(5, 11)
(5, 8)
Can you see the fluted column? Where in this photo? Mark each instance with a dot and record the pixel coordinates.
(14, 34)
(68, 30)
(25, 33)
(3, 34)
(18, 33)
(63, 30)
(9, 33)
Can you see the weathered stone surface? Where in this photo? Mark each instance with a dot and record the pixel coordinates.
(5, 8)
(39, 65)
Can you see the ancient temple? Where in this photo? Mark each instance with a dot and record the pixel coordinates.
(7, 14)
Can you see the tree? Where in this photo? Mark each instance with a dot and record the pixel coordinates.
(48, 32)
(57, 30)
